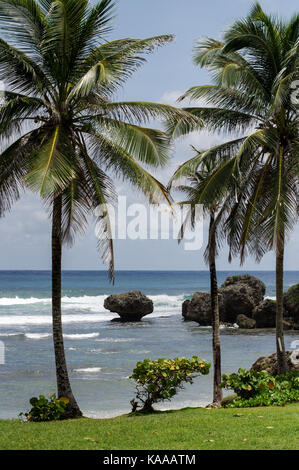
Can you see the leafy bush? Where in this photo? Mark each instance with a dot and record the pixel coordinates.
(46, 410)
(247, 383)
(261, 389)
(161, 379)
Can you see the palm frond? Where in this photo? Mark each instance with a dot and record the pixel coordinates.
(22, 22)
(13, 168)
(106, 68)
(25, 76)
(147, 145)
(214, 120)
(17, 109)
(113, 157)
(51, 168)
(102, 192)
(219, 153)
(142, 112)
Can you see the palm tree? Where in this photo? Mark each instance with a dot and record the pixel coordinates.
(196, 193)
(61, 132)
(254, 69)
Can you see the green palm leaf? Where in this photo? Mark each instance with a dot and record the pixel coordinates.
(51, 168)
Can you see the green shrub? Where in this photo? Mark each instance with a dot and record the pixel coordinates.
(46, 410)
(161, 379)
(261, 389)
(247, 383)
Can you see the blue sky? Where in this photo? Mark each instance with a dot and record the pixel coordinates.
(25, 232)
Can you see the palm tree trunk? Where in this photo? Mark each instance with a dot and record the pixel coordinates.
(280, 346)
(217, 390)
(63, 383)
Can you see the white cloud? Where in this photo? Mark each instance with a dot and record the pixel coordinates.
(170, 97)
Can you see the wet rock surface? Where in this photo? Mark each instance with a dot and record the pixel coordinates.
(130, 306)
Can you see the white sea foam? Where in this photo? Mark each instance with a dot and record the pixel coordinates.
(91, 302)
(6, 301)
(37, 335)
(67, 336)
(86, 302)
(164, 305)
(47, 319)
(225, 327)
(82, 336)
(88, 370)
(7, 335)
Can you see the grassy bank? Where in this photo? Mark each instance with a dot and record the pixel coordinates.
(188, 429)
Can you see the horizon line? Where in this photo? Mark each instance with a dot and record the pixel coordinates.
(148, 270)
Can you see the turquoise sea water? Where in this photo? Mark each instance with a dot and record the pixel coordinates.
(101, 354)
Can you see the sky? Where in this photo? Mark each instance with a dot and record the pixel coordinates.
(25, 231)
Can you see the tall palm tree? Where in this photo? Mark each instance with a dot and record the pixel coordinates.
(195, 191)
(61, 132)
(254, 69)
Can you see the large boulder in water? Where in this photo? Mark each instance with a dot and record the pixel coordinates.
(257, 286)
(241, 294)
(131, 306)
(198, 309)
(269, 363)
(185, 306)
(265, 314)
(238, 301)
(291, 303)
(245, 323)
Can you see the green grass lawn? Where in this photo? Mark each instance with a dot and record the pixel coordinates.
(187, 429)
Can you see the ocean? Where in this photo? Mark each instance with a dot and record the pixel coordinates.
(102, 354)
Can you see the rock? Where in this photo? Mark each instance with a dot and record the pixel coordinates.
(198, 309)
(257, 287)
(241, 294)
(185, 305)
(242, 297)
(265, 314)
(238, 300)
(291, 303)
(131, 306)
(269, 363)
(245, 322)
(287, 325)
(238, 295)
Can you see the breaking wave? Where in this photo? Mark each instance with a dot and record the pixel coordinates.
(92, 308)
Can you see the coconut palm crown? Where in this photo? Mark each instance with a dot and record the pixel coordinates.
(194, 195)
(255, 71)
(61, 133)
(60, 130)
